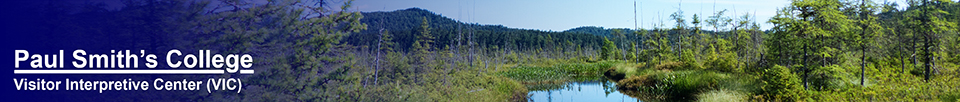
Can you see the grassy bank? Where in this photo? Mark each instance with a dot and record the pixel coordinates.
(559, 73)
(677, 81)
(664, 82)
(667, 82)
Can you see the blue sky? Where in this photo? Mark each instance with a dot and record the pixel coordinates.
(559, 15)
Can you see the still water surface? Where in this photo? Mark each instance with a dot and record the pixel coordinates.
(588, 91)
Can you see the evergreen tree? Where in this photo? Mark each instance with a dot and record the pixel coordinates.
(386, 39)
(931, 24)
(869, 28)
(608, 49)
(422, 49)
(316, 64)
(698, 35)
(816, 24)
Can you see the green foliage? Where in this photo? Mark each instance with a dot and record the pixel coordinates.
(689, 61)
(951, 97)
(609, 50)
(721, 61)
(631, 53)
(634, 82)
(780, 83)
(317, 61)
(829, 78)
(312, 57)
(422, 47)
(403, 25)
(671, 66)
(386, 41)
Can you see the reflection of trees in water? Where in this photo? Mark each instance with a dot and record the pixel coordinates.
(568, 85)
(607, 86)
(647, 93)
(559, 86)
(545, 87)
(653, 94)
(644, 95)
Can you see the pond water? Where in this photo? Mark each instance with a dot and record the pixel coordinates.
(586, 91)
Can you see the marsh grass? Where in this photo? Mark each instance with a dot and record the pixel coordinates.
(668, 82)
(722, 96)
(558, 73)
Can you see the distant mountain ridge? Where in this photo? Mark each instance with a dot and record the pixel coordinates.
(405, 24)
(600, 31)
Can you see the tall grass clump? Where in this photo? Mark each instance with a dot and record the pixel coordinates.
(558, 73)
(722, 96)
(675, 84)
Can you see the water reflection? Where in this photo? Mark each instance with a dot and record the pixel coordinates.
(586, 91)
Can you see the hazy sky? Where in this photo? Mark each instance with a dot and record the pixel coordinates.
(559, 15)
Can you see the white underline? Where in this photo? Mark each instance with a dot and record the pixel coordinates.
(246, 71)
(201, 71)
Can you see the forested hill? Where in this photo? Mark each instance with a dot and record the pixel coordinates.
(404, 25)
(596, 30)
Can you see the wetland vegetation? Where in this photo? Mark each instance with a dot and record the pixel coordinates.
(818, 50)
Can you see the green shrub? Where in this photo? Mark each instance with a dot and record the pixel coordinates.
(670, 66)
(647, 56)
(828, 78)
(608, 51)
(585, 59)
(955, 59)
(950, 97)
(779, 83)
(689, 61)
(724, 63)
(512, 57)
(917, 71)
(633, 82)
